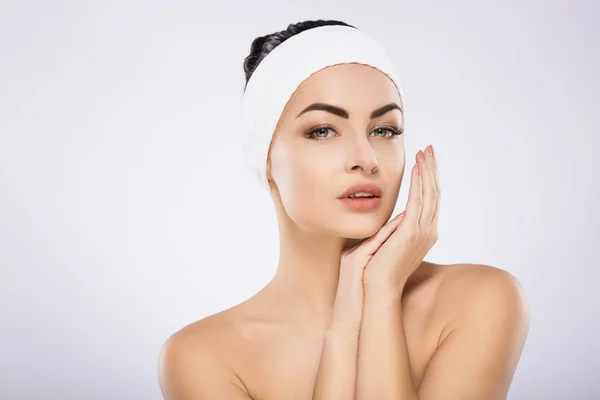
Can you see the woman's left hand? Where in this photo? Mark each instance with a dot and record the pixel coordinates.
(402, 253)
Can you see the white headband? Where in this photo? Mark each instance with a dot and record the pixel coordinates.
(280, 73)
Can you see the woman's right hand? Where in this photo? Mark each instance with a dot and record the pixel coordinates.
(347, 310)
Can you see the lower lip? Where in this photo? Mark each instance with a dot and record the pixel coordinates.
(361, 203)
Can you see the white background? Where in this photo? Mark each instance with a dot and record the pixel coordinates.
(127, 212)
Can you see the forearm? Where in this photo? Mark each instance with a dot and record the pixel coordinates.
(336, 375)
(383, 362)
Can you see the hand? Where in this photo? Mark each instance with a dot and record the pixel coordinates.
(347, 310)
(417, 232)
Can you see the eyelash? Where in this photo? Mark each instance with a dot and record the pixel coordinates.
(396, 131)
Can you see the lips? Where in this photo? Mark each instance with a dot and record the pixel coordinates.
(361, 187)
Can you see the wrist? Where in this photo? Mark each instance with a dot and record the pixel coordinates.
(375, 279)
(382, 286)
(383, 292)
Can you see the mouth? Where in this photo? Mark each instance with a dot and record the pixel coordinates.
(361, 191)
(361, 197)
(361, 203)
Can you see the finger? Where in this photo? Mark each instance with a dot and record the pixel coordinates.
(372, 244)
(429, 192)
(363, 245)
(415, 200)
(398, 217)
(434, 222)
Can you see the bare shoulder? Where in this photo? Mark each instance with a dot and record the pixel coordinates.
(475, 280)
(484, 319)
(195, 362)
(474, 289)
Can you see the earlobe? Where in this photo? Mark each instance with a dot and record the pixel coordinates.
(270, 181)
(268, 170)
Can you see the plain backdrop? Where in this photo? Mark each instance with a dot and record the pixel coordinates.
(127, 212)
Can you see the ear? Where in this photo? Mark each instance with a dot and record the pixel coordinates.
(268, 169)
(270, 179)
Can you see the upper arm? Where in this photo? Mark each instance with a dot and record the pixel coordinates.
(477, 360)
(191, 371)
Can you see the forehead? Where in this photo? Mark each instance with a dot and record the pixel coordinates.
(357, 87)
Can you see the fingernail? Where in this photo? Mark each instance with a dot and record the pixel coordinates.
(397, 217)
(430, 150)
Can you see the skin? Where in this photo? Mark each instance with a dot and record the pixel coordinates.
(341, 272)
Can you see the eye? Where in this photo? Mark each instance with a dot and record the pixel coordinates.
(388, 131)
(319, 132)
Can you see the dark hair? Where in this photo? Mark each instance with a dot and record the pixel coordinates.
(263, 45)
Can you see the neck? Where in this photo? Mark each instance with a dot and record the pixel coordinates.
(307, 274)
(305, 284)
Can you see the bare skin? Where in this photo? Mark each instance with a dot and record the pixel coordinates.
(269, 346)
(272, 356)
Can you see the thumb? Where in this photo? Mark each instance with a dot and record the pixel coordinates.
(372, 244)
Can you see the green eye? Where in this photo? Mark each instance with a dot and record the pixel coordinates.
(389, 131)
(318, 133)
(321, 132)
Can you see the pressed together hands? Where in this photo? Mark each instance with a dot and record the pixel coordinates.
(364, 354)
(387, 259)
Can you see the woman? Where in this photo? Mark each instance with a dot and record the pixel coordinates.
(353, 312)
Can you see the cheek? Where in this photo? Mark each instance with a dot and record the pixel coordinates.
(393, 180)
(304, 186)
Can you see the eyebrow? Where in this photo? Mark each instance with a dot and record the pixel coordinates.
(340, 112)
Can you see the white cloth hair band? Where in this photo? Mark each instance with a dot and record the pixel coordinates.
(280, 73)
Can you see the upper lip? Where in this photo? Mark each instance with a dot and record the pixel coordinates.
(361, 187)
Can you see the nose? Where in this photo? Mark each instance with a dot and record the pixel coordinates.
(361, 156)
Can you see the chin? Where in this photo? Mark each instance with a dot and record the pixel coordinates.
(360, 231)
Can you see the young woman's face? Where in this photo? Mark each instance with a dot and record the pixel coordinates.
(316, 155)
